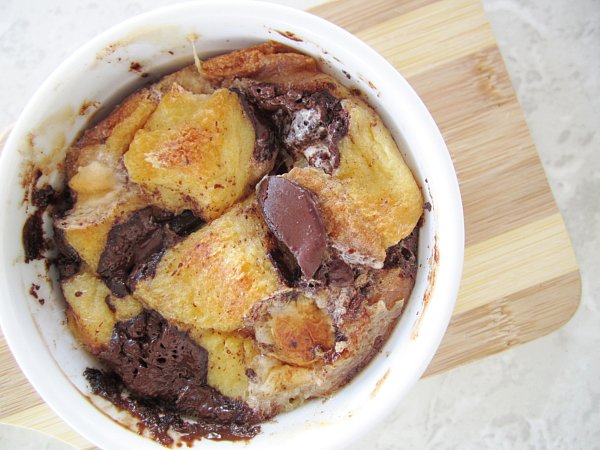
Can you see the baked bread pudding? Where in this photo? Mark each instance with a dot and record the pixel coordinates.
(242, 237)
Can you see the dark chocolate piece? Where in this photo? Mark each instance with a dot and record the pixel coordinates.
(153, 358)
(33, 237)
(286, 264)
(185, 223)
(293, 215)
(67, 259)
(335, 273)
(404, 254)
(32, 234)
(165, 370)
(33, 240)
(135, 247)
(264, 141)
(43, 197)
(309, 124)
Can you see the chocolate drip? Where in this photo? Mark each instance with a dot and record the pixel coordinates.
(33, 240)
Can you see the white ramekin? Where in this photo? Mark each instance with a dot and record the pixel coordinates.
(98, 75)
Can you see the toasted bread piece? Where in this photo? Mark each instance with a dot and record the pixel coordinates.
(109, 139)
(196, 152)
(389, 286)
(279, 387)
(92, 311)
(371, 201)
(213, 278)
(261, 62)
(96, 175)
(188, 78)
(293, 329)
(270, 62)
(361, 328)
(229, 357)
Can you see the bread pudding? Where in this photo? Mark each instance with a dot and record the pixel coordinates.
(241, 237)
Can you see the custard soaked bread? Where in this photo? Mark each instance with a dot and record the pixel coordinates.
(243, 238)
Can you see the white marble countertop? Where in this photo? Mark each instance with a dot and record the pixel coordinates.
(544, 394)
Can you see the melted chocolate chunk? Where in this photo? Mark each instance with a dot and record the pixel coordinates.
(265, 141)
(43, 197)
(336, 273)
(62, 202)
(308, 124)
(209, 404)
(33, 240)
(67, 260)
(286, 264)
(160, 420)
(155, 359)
(404, 254)
(165, 371)
(185, 223)
(292, 214)
(135, 247)
(32, 235)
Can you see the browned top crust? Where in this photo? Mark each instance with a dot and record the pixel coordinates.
(260, 62)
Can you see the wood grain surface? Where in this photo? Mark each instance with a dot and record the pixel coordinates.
(520, 279)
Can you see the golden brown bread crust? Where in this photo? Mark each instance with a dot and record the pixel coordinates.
(121, 124)
(270, 343)
(233, 247)
(261, 62)
(293, 329)
(92, 311)
(371, 201)
(196, 152)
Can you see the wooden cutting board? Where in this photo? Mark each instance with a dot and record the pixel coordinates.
(520, 279)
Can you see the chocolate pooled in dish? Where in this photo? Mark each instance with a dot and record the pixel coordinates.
(243, 238)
